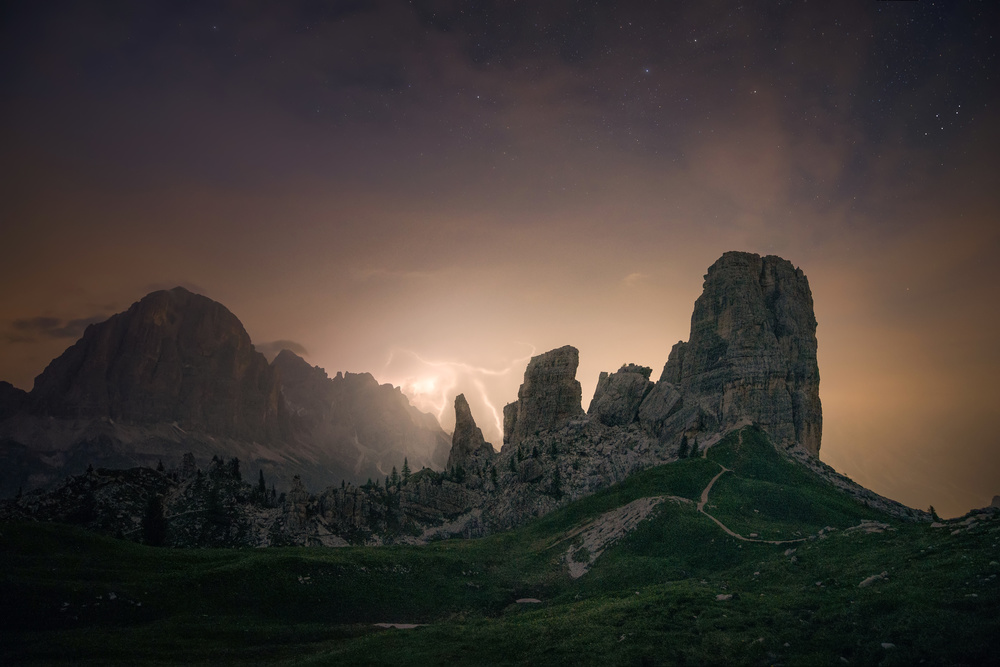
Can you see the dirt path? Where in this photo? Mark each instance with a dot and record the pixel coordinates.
(704, 501)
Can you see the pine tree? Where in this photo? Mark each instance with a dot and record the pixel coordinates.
(154, 522)
(684, 451)
(493, 475)
(394, 477)
(694, 448)
(234, 469)
(553, 452)
(261, 486)
(513, 467)
(556, 484)
(159, 466)
(406, 470)
(534, 452)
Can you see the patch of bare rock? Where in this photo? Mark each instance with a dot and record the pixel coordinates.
(596, 536)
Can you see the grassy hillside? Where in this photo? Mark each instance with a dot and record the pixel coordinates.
(651, 598)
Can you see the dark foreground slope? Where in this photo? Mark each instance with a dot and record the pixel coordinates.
(673, 588)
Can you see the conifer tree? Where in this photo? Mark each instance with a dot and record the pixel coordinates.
(261, 486)
(556, 484)
(406, 470)
(684, 451)
(154, 522)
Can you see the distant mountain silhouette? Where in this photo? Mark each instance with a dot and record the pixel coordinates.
(177, 373)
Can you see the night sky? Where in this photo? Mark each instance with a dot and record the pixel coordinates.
(435, 191)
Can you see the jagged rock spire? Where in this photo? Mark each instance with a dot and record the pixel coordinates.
(467, 442)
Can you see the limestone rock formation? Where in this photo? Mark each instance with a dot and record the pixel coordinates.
(549, 397)
(618, 395)
(360, 428)
(467, 442)
(173, 357)
(751, 356)
(177, 373)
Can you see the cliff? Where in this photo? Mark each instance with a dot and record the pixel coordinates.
(549, 397)
(173, 357)
(751, 356)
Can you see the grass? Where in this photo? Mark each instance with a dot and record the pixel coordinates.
(649, 599)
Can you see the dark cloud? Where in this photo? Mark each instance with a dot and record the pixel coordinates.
(271, 350)
(33, 329)
(356, 174)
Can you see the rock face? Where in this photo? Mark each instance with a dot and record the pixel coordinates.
(752, 352)
(177, 373)
(751, 358)
(173, 357)
(549, 397)
(467, 442)
(12, 399)
(618, 396)
(361, 429)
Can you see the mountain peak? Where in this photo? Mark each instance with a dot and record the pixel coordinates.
(173, 356)
(751, 355)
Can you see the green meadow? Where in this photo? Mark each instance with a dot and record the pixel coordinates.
(675, 590)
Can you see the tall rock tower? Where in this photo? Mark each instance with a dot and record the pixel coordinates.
(752, 351)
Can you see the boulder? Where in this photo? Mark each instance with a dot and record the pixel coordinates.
(618, 395)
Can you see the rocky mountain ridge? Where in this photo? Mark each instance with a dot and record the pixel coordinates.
(177, 373)
(751, 359)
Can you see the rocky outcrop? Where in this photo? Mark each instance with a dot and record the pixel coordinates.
(467, 442)
(751, 356)
(173, 357)
(549, 397)
(618, 396)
